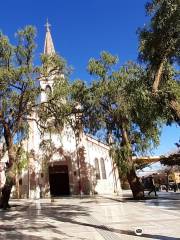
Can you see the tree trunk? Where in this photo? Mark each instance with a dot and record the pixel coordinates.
(10, 179)
(175, 105)
(157, 77)
(6, 191)
(135, 184)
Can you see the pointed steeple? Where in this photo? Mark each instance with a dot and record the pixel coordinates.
(48, 44)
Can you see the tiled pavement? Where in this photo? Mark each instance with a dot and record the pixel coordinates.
(92, 218)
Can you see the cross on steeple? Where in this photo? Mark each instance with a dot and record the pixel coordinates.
(47, 25)
(48, 44)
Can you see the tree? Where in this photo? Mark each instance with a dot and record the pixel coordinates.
(160, 40)
(115, 104)
(20, 164)
(159, 48)
(173, 159)
(19, 92)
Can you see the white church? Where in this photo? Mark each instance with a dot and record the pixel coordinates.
(75, 166)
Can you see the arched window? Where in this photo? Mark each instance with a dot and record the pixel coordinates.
(103, 169)
(97, 168)
(48, 89)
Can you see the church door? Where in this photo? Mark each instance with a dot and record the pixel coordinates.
(59, 180)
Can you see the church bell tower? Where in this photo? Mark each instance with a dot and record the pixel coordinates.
(46, 84)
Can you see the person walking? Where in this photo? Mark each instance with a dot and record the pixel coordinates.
(175, 186)
(152, 186)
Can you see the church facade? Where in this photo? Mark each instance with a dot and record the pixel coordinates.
(66, 163)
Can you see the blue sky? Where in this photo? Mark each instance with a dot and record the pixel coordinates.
(81, 29)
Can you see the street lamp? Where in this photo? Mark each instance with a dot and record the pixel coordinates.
(78, 131)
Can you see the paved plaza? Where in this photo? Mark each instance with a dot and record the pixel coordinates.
(88, 218)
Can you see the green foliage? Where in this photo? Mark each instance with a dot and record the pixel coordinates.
(21, 162)
(54, 113)
(120, 100)
(25, 47)
(53, 65)
(48, 148)
(18, 91)
(173, 159)
(119, 156)
(5, 50)
(159, 49)
(161, 38)
(103, 65)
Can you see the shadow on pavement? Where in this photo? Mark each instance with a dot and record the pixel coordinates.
(29, 219)
(102, 227)
(23, 224)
